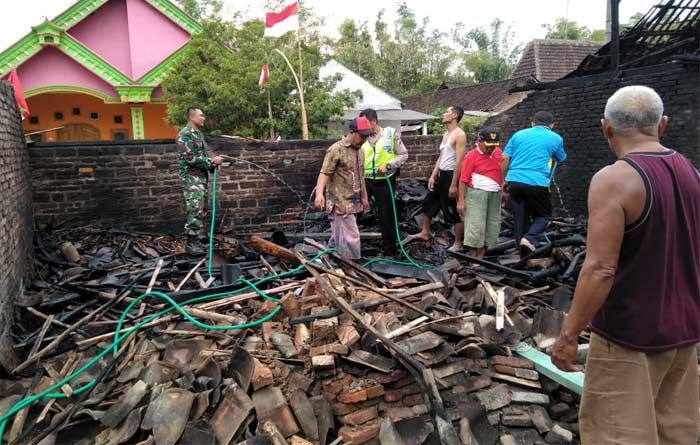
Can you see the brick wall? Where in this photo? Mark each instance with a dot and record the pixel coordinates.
(135, 184)
(15, 218)
(578, 109)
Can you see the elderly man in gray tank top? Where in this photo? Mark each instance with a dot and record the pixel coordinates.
(443, 184)
(639, 287)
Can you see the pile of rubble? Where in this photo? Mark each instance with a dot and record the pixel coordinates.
(324, 350)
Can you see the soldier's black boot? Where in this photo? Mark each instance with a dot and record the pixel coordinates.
(194, 247)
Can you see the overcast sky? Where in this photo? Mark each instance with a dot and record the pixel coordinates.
(526, 17)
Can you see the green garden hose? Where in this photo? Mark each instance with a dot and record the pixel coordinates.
(409, 260)
(119, 338)
(49, 393)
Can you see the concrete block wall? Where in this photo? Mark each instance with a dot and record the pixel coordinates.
(578, 109)
(135, 184)
(15, 218)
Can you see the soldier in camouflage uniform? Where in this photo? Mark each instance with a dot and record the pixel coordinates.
(195, 166)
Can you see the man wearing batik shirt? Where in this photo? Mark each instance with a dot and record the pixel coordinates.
(342, 177)
(479, 201)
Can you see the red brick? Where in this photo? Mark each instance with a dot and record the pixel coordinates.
(336, 386)
(397, 414)
(359, 434)
(322, 361)
(331, 348)
(262, 376)
(342, 409)
(296, 440)
(385, 379)
(360, 416)
(375, 391)
(348, 335)
(504, 369)
(413, 399)
(353, 396)
(393, 396)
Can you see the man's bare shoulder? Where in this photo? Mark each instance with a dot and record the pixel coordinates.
(616, 176)
(621, 185)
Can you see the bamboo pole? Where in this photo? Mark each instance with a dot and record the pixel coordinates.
(304, 128)
(304, 122)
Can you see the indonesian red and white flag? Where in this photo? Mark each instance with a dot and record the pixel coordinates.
(279, 23)
(264, 73)
(13, 78)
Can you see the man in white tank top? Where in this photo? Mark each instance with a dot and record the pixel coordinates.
(443, 184)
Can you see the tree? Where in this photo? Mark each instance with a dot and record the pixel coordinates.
(413, 59)
(633, 20)
(488, 57)
(468, 123)
(354, 49)
(200, 9)
(219, 73)
(570, 30)
(597, 35)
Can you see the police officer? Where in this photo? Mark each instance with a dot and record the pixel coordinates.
(384, 153)
(195, 166)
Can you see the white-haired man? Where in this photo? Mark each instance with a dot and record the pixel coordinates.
(639, 287)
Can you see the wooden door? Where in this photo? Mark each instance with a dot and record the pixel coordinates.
(78, 132)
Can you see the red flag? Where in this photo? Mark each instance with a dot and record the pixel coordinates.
(264, 73)
(13, 78)
(278, 23)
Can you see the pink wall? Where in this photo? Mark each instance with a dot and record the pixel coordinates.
(132, 35)
(50, 66)
(153, 36)
(106, 32)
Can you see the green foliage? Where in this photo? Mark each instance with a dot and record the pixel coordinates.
(597, 35)
(632, 21)
(488, 56)
(470, 125)
(220, 71)
(570, 30)
(435, 126)
(414, 59)
(200, 9)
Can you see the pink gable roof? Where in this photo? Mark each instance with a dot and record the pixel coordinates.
(152, 35)
(106, 32)
(132, 35)
(63, 71)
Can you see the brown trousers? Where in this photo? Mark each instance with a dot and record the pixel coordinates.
(634, 398)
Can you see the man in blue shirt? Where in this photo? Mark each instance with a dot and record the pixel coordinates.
(527, 166)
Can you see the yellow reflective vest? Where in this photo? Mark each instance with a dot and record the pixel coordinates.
(380, 154)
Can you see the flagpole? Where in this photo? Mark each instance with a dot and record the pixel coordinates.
(300, 83)
(304, 128)
(269, 113)
(304, 122)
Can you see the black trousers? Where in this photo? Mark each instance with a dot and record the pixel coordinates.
(532, 210)
(378, 190)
